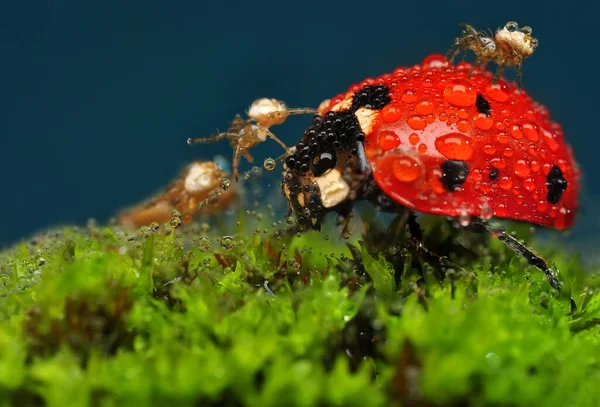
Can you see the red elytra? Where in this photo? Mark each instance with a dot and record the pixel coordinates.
(518, 165)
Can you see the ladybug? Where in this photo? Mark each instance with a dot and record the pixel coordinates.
(439, 139)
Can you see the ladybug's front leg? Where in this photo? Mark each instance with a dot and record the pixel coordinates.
(416, 235)
(522, 250)
(519, 248)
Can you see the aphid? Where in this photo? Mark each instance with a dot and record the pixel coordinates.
(199, 183)
(430, 139)
(509, 46)
(246, 133)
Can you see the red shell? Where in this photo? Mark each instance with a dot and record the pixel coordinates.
(433, 117)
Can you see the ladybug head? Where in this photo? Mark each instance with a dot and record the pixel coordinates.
(325, 169)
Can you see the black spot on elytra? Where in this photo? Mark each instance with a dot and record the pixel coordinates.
(454, 174)
(494, 174)
(371, 97)
(556, 183)
(483, 106)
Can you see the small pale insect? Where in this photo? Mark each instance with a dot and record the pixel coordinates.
(244, 134)
(509, 46)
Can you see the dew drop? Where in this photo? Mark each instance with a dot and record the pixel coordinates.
(409, 96)
(489, 149)
(550, 140)
(515, 132)
(388, 140)
(529, 185)
(414, 139)
(422, 148)
(227, 242)
(542, 206)
(416, 122)
(391, 113)
(175, 222)
(502, 138)
(483, 122)
(496, 92)
(463, 125)
(486, 212)
(464, 218)
(498, 163)
(406, 169)
(505, 183)
(424, 107)
(460, 93)
(269, 164)
(435, 61)
(522, 168)
(454, 146)
(225, 184)
(500, 210)
(530, 131)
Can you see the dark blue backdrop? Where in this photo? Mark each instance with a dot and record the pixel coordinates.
(97, 98)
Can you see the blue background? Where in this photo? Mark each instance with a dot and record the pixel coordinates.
(98, 98)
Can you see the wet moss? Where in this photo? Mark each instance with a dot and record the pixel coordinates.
(267, 316)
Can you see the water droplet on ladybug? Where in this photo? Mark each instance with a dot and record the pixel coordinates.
(424, 107)
(498, 163)
(483, 121)
(515, 132)
(454, 146)
(529, 184)
(391, 113)
(435, 61)
(463, 125)
(416, 122)
(486, 212)
(550, 140)
(500, 210)
(406, 169)
(388, 140)
(464, 218)
(409, 96)
(497, 92)
(505, 183)
(489, 149)
(530, 131)
(460, 93)
(522, 168)
(414, 139)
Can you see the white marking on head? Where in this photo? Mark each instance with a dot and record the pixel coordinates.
(366, 118)
(201, 177)
(344, 105)
(323, 107)
(333, 188)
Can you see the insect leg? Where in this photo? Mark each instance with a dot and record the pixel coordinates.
(416, 235)
(218, 137)
(274, 137)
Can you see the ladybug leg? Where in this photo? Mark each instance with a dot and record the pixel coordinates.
(519, 248)
(416, 235)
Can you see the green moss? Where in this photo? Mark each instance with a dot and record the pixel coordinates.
(271, 318)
